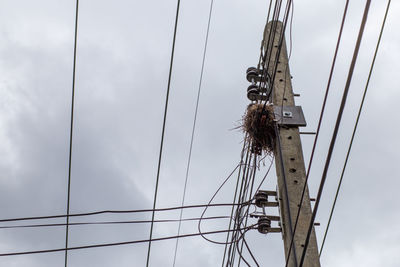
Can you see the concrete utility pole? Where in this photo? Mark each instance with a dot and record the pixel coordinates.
(289, 159)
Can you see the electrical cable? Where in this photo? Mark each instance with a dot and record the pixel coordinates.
(335, 132)
(163, 130)
(272, 35)
(241, 256)
(280, 44)
(194, 126)
(250, 197)
(241, 199)
(318, 129)
(263, 39)
(238, 210)
(212, 198)
(110, 222)
(355, 127)
(246, 164)
(71, 132)
(246, 192)
(115, 212)
(291, 32)
(236, 191)
(110, 244)
(251, 254)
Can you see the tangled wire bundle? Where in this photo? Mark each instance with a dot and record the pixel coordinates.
(258, 122)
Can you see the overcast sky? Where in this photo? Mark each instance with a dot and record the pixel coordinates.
(122, 70)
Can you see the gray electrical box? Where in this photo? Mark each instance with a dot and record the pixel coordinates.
(290, 116)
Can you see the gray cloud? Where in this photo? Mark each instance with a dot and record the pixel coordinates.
(123, 57)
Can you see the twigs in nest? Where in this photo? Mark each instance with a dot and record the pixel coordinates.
(258, 122)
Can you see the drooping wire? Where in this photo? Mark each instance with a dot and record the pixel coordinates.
(110, 222)
(194, 126)
(318, 129)
(212, 198)
(113, 244)
(115, 212)
(336, 129)
(163, 131)
(355, 127)
(250, 252)
(71, 133)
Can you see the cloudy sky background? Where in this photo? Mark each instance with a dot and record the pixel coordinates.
(122, 71)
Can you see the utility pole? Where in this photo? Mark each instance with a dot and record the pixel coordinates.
(290, 168)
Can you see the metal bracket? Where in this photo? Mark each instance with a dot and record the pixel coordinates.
(260, 214)
(290, 116)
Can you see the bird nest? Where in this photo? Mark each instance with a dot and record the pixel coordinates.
(258, 123)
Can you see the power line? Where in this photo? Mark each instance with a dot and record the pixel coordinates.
(355, 128)
(163, 130)
(194, 126)
(71, 133)
(212, 198)
(336, 129)
(236, 191)
(251, 254)
(271, 36)
(318, 129)
(112, 244)
(111, 222)
(280, 44)
(115, 212)
(237, 219)
(252, 178)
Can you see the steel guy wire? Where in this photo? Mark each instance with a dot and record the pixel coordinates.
(71, 132)
(355, 127)
(335, 132)
(194, 125)
(318, 128)
(163, 130)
